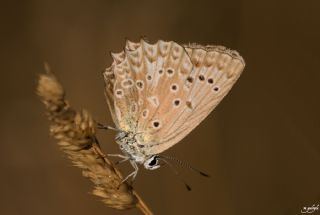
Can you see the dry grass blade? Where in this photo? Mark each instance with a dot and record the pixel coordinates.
(75, 133)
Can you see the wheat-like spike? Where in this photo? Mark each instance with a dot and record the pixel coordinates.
(75, 133)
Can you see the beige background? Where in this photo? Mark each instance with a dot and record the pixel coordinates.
(261, 145)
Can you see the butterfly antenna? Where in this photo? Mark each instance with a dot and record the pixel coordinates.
(186, 165)
(176, 173)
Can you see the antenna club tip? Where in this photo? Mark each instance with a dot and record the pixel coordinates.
(188, 187)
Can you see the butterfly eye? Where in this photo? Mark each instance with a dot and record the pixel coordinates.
(152, 163)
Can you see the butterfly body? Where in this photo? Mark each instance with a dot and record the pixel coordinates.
(130, 147)
(158, 93)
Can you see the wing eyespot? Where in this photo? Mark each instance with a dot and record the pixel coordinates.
(190, 79)
(201, 78)
(174, 88)
(127, 83)
(119, 93)
(149, 77)
(176, 102)
(156, 124)
(170, 72)
(145, 113)
(140, 84)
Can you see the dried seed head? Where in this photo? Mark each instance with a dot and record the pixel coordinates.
(75, 133)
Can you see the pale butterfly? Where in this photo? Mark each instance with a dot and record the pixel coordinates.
(157, 93)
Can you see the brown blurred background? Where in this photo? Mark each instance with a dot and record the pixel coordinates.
(261, 145)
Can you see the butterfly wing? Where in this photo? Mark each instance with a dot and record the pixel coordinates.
(133, 81)
(214, 71)
(121, 93)
(174, 88)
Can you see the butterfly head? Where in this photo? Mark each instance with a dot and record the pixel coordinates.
(152, 163)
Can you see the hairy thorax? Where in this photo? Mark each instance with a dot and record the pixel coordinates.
(130, 146)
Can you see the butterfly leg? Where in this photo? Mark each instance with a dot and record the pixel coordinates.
(124, 158)
(136, 169)
(121, 161)
(134, 173)
(118, 155)
(106, 127)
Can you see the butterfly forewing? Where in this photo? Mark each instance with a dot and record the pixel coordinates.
(164, 90)
(213, 74)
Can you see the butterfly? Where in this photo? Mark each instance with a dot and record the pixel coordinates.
(158, 93)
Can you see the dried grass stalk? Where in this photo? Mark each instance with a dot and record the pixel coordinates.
(75, 133)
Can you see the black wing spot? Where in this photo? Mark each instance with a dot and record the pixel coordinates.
(190, 79)
(201, 77)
